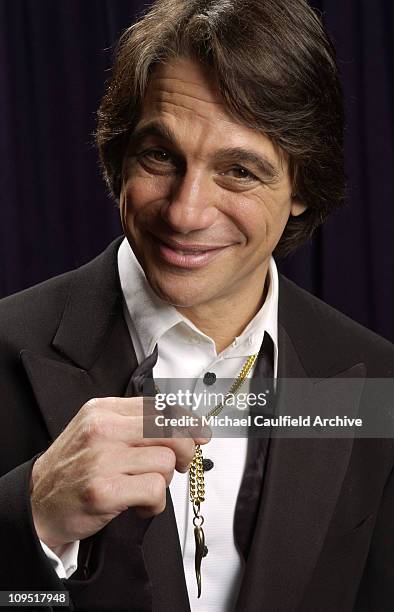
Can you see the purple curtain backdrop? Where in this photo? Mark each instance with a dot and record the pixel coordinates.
(55, 213)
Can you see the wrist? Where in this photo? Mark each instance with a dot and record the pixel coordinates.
(52, 540)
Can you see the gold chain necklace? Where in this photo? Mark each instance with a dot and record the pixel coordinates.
(196, 474)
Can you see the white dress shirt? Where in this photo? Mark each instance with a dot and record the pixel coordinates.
(185, 352)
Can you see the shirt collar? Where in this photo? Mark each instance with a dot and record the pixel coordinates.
(152, 318)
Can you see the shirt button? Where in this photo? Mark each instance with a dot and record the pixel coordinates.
(209, 378)
(207, 464)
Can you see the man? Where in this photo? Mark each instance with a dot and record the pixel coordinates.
(221, 137)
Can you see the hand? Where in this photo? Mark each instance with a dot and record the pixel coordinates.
(99, 466)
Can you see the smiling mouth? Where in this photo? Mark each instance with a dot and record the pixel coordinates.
(187, 256)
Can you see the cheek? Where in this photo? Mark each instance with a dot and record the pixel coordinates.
(134, 203)
(252, 218)
(141, 193)
(262, 219)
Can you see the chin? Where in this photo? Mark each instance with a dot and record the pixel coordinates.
(177, 299)
(178, 294)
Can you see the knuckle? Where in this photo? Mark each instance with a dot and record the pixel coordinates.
(89, 494)
(90, 404)
(94, 426)
(94, 495)
(166, 458)
(156, 489)
(137, 403)
(189, 449)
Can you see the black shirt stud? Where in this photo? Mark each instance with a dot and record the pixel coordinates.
(209, 378)
(207, 464)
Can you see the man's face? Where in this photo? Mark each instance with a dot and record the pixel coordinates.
(205, 199)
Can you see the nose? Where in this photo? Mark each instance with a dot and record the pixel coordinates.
(189, 206)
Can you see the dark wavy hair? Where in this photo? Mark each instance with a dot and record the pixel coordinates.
(276, 71)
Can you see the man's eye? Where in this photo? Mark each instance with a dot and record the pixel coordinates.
(239, 172)
(158, 161)
(157, 155)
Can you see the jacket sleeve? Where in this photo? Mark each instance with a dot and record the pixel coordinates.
(23, 563)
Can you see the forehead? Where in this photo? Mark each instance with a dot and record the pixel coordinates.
(184, 83)
(184, 95)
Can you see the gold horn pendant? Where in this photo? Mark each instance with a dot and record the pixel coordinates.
(201, 552)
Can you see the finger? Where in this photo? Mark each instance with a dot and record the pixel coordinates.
(102, 430)
(145, 491)
(127, 406)
(100, 427)
(183, 449)
(104, 425)
(146, 407)
(138, 460)
(174, 421)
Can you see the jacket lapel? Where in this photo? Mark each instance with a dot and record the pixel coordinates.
(302, 481)
(92, 352)
(161, 546)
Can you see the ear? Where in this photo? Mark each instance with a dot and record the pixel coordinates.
(297, 207)
(122, 208)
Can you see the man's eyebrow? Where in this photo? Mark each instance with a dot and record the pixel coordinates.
(238, 155)
(235, 155)
(152, 128)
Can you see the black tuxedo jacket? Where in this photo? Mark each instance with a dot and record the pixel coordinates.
(323, 535)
